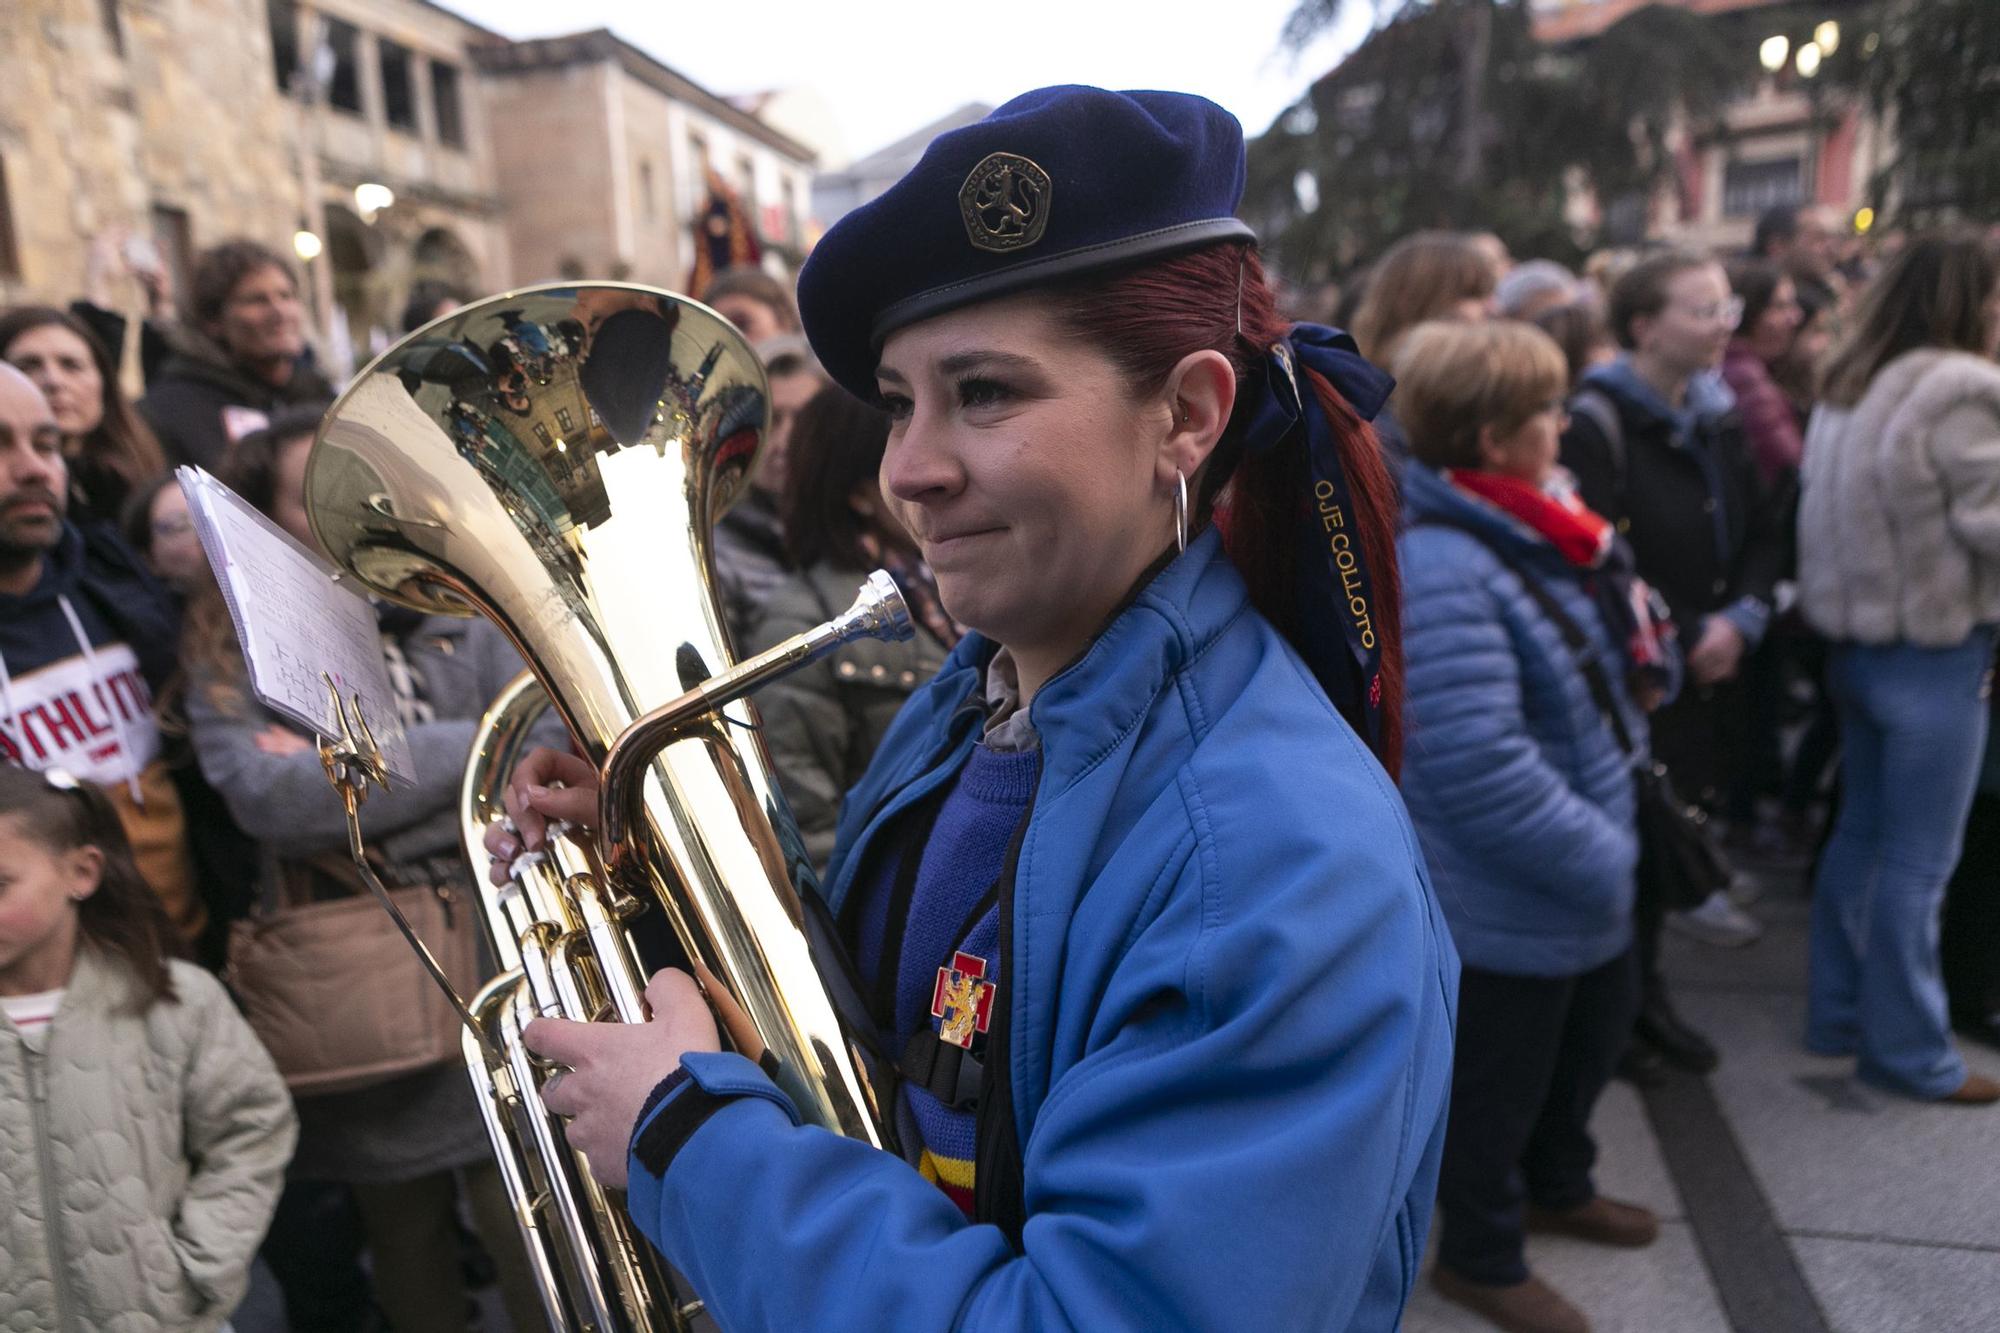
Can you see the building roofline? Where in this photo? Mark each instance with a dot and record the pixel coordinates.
(507, 57)
(451, 13)
(1577, 22)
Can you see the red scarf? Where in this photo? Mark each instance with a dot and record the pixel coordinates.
(1581, 535)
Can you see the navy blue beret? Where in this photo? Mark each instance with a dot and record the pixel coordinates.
(1058, 183)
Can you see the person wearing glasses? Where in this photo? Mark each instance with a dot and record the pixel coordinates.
(1657, 448)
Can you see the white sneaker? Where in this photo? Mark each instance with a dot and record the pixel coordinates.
(1718, 921)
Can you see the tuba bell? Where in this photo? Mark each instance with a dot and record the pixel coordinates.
(554, 459)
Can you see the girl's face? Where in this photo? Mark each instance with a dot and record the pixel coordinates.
(175, 554)
(1036, 487)
(1690, 333)
(62, 367)
(40, 888)
(1771, 337)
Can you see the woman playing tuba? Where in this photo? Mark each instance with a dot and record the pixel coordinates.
(1128, 884)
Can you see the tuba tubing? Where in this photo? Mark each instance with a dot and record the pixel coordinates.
(554, 460)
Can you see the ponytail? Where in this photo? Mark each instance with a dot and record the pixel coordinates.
(1147, 319)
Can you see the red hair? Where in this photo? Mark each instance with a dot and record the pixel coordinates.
(1146, 319)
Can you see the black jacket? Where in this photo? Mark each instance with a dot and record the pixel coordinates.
(184, 403)
(1705, 534)
(1703, 529)
(116, 598)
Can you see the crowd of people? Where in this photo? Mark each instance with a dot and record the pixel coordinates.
(1691, 566)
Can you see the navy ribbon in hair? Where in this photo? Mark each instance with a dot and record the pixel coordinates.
(1334, 585)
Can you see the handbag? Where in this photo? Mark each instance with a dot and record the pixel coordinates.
(331, 987)
(1680, 864)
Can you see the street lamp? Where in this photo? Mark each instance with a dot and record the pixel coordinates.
(1807, 62)
(371, 198)
(1827, 37)
(306, 245)
(1773, 52)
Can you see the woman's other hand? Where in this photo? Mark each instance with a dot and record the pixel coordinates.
(548, 785)
(612, 1067)
(1718, 653)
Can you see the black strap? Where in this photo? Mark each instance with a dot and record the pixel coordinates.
(999, 1191)
(688, 1110)
(1597, 407)
(1573, 636)
(947, 1072)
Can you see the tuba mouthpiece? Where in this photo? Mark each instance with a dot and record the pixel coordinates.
(879, 612)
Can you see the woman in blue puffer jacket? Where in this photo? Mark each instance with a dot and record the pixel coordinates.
(1523, 796)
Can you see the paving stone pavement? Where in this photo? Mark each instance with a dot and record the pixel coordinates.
(1889, 1208)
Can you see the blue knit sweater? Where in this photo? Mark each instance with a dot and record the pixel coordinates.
(959, 864)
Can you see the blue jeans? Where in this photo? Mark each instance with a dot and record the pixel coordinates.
(1913, 730)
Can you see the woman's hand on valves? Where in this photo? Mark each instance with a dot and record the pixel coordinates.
(610, 1068)
(549, 785)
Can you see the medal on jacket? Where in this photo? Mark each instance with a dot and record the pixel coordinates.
(963, 999)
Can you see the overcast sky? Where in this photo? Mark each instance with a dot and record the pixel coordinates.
(888, 67)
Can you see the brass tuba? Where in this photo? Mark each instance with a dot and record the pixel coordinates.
(554, 459)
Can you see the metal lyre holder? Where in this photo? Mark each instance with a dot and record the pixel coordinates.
(353, 761)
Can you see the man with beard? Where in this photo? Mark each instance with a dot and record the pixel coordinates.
(86, 637)
(243, 358)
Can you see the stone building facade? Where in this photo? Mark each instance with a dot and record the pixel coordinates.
(190, 121)
(605, 155)
(391, 104)
(158, 118)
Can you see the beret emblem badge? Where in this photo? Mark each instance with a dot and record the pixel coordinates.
(1005, 203)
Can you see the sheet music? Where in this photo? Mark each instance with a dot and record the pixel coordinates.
(294, 620)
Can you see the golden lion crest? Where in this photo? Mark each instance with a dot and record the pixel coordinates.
(1005, 203)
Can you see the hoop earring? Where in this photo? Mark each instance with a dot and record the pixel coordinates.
(1180, 509)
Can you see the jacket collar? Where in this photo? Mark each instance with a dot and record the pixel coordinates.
(1708, 398)
(196, 356)
(1083, 710)
(97, 984)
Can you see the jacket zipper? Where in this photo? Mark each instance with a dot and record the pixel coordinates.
(38, 1102)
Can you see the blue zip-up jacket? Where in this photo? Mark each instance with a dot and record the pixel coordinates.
(1230, 995)
(1521, 793)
